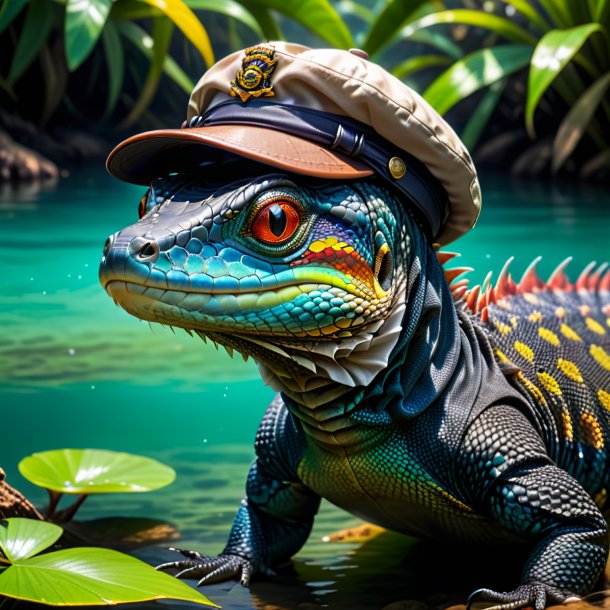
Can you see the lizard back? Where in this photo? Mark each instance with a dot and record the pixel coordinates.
(552, 338)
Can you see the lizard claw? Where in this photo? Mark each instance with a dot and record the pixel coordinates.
(211, 569)
(536, 595)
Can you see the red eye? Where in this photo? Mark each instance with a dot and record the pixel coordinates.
(142, 205)
(276, 222)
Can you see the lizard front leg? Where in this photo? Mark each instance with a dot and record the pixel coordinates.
(511, 478)
(276, 517)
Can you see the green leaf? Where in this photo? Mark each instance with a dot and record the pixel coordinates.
(389, 21)
(601, 12)
(318, 16)
(161, 34)
(528, 10)
(435, 39)
(552, 53)
(577, 120)
(133, 9)
(115, 64)
(85, 20)
(9, 11)
(419, 62)
(480, 117)
(184, 18)
(88, 471)
(498, 25)
(144, 43)
(93, 577)
(475, 71)
(22, 538)
(355, 9)
(230, 8)
(271, 28)
(36, 28)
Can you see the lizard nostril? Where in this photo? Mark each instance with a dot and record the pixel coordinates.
(144, 249)
(149, 252)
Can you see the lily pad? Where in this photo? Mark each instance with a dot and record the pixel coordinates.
(79, 576)
(23, 538)
(89, 471)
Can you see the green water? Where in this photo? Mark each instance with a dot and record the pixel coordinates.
(75, 371)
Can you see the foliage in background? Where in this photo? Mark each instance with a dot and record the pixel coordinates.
(526, 80)
(562, 45)
(61, 35)
(77, 576)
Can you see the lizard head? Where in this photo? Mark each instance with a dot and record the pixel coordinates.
(271, 265)
(279, 219)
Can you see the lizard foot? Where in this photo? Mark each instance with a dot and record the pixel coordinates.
(536, 595)
(211, 569)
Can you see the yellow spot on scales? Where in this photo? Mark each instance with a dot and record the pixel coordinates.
(592, 431)
(560, 312)
(568, 429)
(322, 244)
(604, 398)
(531, 298)
(503, 328)
(566, 331)
(548, 335)
(532, 388)
(535, 316)
(525, 351)
(570, 370)
(550, 383)
(595, 326)
(501, 356)
(601, 356)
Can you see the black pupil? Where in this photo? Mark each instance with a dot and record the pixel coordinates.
(277, 220)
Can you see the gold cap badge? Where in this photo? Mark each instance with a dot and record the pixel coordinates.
(254, 78)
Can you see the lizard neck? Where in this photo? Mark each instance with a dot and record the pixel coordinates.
(411, 358)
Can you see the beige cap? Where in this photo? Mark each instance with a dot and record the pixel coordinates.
(271, 79)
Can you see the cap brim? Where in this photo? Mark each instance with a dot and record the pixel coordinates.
(146, 156)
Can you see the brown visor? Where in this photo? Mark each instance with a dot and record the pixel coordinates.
(151, 154)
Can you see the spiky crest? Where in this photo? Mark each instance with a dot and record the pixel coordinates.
(593, 278)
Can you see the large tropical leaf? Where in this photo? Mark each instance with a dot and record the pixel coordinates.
(577, 120)
(23, 538)
(88, 471)
(85, 20)
(115, 64)
(79, 576)
(419, 62)
(437, 40)
(161, 34)
(480, 117)
(389, 21)
(530, 11)
(36, 27)
(144, 43)
(552, 53)
(230, 8)
(475, 71)
(270, 26)
(184, 18)
(9, 10)
(318, 16)
(494, 23)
